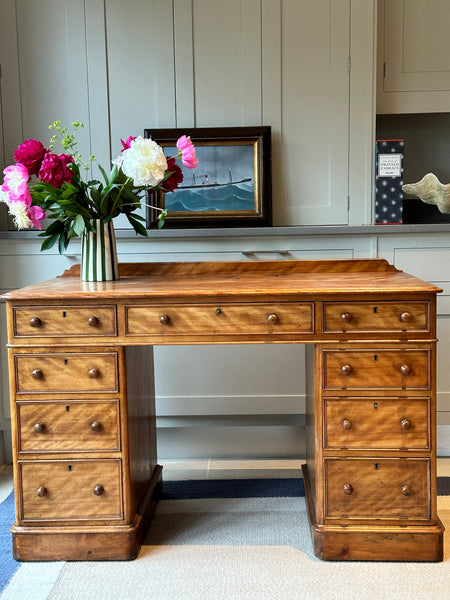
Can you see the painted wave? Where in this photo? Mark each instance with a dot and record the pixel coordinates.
(232, 196)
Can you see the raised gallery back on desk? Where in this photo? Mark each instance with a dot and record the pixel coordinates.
(82, 390)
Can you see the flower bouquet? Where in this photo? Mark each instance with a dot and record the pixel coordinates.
(43, 184)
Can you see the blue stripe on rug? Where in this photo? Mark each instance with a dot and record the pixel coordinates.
(8, 566)
(232, 488)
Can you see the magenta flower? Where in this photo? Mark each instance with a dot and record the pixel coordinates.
(127, 144)
(187, 151)
(54, 169)
(36, 214)
(15, 182)
(30, 154)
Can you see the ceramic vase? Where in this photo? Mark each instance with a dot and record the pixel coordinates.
(99, 253)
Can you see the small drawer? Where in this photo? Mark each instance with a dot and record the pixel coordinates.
(390, 488)
(63, 321)
(70, 490)
(374, 369)
(383, 316)
(68, 426)
(227, 318)
(66, 372)
(377, 423)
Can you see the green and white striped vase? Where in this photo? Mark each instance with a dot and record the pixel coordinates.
(99, 253)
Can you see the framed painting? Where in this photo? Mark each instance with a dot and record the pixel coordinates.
(231, 186)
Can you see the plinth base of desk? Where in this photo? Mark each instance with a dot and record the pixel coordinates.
(112, 542)
(380, 543)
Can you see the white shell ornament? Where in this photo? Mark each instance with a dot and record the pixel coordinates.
(431, 191)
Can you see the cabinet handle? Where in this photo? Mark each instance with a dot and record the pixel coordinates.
(37, 374)
(96, 426)
(273, 318)
(405, 424)
(346, 369)
(405, 317)
(164, 319)
(406, 490)
(348, 489)
(94, 373)
(346, 317)
(41, 491)
(98, 490)
(405, 369)
(39, 427)
(35, 322)
(93, 321)
(347, 424)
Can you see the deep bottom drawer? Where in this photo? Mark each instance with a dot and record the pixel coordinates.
(389, 488)
(71, 490)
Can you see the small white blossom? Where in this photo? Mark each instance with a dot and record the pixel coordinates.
(144, 162)
(19, 211)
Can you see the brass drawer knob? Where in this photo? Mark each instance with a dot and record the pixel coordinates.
(98, 490)
(346, 369)
(348, 489)
(405, 424)
(37, 374)
(405, 369)
(39, 427)
(405, 317)
(35, 322)
(347, 424)
(164, 319)
(273, 318)
(93, 321)
(96, 426)
(94, 373)
(406, 490)
(346, 317)
(41, 491)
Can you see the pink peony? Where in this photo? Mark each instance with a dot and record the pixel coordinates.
(187, 150)
(15, 182)
(36, 214)
(127, 144)
(175, 177)
(54, 169)
(30, 154)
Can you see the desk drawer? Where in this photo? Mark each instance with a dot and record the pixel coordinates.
(377, 423)
(63, 321)
(66, 372)
(392, 488)
(375, 369)
(68, 426)
(382, 316)
(255, 318)
(71, 490)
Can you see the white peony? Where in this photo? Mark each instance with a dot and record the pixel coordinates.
(144, 162)
(19, 211)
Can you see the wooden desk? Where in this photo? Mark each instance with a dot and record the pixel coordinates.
(81, 373)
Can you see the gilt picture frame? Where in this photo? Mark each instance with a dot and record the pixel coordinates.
(231, 186)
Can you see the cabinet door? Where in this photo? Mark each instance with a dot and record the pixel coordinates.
(414, 56)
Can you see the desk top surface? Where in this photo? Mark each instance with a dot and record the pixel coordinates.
(252, 278)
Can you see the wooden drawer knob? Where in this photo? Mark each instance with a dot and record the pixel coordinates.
(405, 370)
(96, 426)
(94, 373)
(406, 424)
(347, 424)
(41, 491)
(406, 317)
(37, 374)
(346, 317)
(346, 369)
(164, 319)
(93, 321)
(406, 490)
(39, 427)
(348, 489)
(273, 318)
(35, 322)
(98, 490)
